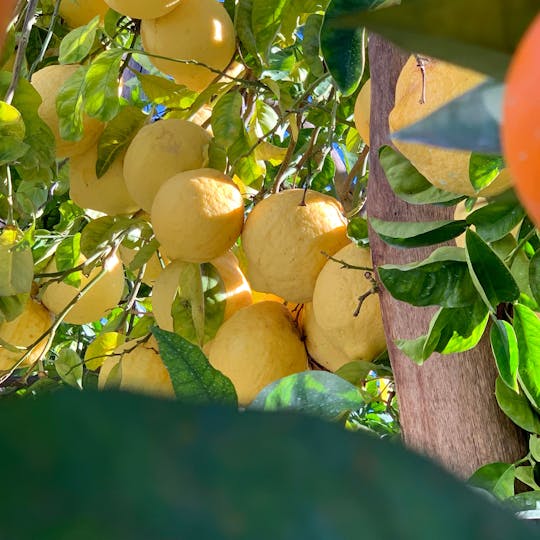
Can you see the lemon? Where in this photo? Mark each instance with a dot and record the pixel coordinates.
(237, 289)
(48, 82)
(159, 151)
(143, 9)
(197, 215)
(335, 301)
(141, 369)
(153, 265)
(258, 345)
(444, 168)
(33, 322)
(199, 30)
(96, 302)
(284, 242)
(80, 12)
(362, 108)
(107, 194)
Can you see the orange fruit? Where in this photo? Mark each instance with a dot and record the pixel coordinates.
(520, 130)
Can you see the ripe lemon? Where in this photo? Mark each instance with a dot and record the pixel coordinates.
(520, 129)
(107, 194)
(97, 301)
(159, 151)
(284, 240)
(80, 12)
(319, 347)
(258, 345)
(33, 322)
(47, 82)
(362, 114)
(237, 289)
(445, 169)
(143, 9)
(197, 215)
(141, 369)
(199, 30)
(335, 300)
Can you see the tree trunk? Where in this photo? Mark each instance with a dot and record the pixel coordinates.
(447, 406)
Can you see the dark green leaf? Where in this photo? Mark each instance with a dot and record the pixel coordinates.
(527, 327)
(468, 122)
(312, 44)
(69, 366)
(265, 23)
(101, 85)
(227, 122)
(481, 35)
(534, 276)
(343, 50)
(75, 47)
(442, 279)
(244, 30)
(492, 278)
(505, 349)
(415, 234)
(408, 184)
(117, 136)
(497, 478)
(517, 407)
(317, 393)
(194, 379)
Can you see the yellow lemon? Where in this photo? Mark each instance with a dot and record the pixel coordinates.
(80, 12)
(362, 114)
(143, 9)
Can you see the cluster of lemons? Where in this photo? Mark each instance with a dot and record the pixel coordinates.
(285, 302)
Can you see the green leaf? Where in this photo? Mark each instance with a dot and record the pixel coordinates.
(343, 50)
(227, 124)
(101, 85)
(505, 350)
(534, 276)
(442, 279)
(16, 264)
(497, 219)
(117, 136)
(70, 367)
(481, 35)
(526, 475)
(199, 304)
(11, 149)
(492, 278)
(357, 372)
(99, 232)
(408, 184)
(12, 306)
(70, 106)
(527, 327)
(265, 23)
(317, 393)
(357, 230)
(244, 30)
(67, 256)
(76, 46)
(497, 478)
(534, 447)
(166, 92)
(312, 44)
(416, 234)
(517, 407)
(101, 347)
(144, 254)
(194, 379)
(468, 122)
(483, 169)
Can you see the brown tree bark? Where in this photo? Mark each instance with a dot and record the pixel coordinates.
(447, 406)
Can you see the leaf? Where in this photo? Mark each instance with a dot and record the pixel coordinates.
(67, 257)
(481, 35)
(165, 92)
(316, 393)
(227, 124)
(526, 475)
(497, 219)
(199, 304)
(265, 23)
(312, 44)
(11, 149)
(343, 50)
(534, 447)
(505, 350)
(76, 46)
(357, 372)
(101, 85)
(70, 106)
(527, 327)
(517, 407)
(492, 278)
(244, 30)
(534, 276)
(483, 169)
(117, 136)
(469, 122)
(416, 234)
(12, 306)
(442, 279)
(70, 367)
(497, 478)
(102, 346)
(144, 254)
(16, 264)
(357, 230)
(408, 184)
(194, 379)
(99, 232)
